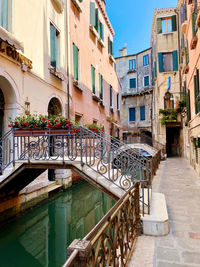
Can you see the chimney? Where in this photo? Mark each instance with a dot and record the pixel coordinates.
(123, 52)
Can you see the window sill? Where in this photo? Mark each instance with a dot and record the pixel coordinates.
(167, 33)
(95, 98)
(101, 42)
(112, 58)
(94, 31)
(77, 84)
(131, 71)
(55, 72)
(77, 5)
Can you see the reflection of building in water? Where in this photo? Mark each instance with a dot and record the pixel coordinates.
(41, 237)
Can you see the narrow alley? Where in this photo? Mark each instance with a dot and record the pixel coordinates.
(181, 248)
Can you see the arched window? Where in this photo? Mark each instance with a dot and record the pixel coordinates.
(168, 101)
(54, 107)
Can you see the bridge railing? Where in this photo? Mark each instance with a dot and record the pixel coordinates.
(111, 241)
(119, 167)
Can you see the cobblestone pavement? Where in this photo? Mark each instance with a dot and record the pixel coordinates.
(181, 248)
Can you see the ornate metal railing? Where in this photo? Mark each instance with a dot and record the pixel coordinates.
(111, 241)
(120, 167)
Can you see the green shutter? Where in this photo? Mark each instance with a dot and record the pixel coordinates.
(155, 68)
(188, 106)
(53, 45)
(92, 14)
(108, 45)
(75, 61)
(160, 62)
(100, 86)
(174, 25)
(175, 60)
(93, 79)
(195, 94)
(97, 19)
(102, 31)
(194, 23)
(111, 48)
(159, 25)
(186, 54)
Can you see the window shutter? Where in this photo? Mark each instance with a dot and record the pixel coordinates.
(4, 14)
(195, 94)
(92, 14)
(142, 113)
(197, 90)
(175, 60)
(108, 45)
(111, 47)
(111, 96)
(131, 114)
(75, 61)
(160, 62)
(53, 45)
(93, 79)
(159, 25)
(155, 68)
(132, 83)
(117, 101)
(186, 54)
(174, 26)
(100, 86)
(194, 23)
(102, 31)
(97, 19)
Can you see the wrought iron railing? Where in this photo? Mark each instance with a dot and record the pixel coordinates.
(111, 241)
(119, 167)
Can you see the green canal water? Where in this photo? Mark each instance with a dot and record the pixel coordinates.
(41, 236)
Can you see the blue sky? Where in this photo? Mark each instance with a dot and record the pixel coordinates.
(132, 20)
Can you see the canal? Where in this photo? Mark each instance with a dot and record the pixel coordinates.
(41, 236)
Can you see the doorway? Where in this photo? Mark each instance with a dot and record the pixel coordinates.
(173, 141)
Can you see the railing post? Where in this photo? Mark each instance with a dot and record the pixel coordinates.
(81, 144)
(84, 249)
(13, 148)
(137, 208)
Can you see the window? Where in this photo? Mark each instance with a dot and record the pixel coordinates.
(110, 46)
(94, 16)
(166, 25)
(132, 114)
(93, 79)
(100, 86)
(132, 83)
(5, 13)
(101, 29)
(196, 92)
(111, 96)
(168, 101)
(117, 101)
(146, 81)
(54, 41)
(131, 64)
(142, 113)
(168, 61)
(145, 60)
(75, 62)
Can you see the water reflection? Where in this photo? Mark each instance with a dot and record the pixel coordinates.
(41, 237)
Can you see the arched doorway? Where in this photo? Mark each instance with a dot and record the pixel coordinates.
(54, 108)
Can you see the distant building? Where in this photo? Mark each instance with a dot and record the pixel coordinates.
(167, 93)
(135, 74)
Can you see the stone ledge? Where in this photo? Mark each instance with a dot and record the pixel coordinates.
(157, 223)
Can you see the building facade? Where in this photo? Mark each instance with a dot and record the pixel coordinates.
(167, 80)
(94, 84)
(190, 64)
(135, 75)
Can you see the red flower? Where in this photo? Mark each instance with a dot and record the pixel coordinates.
(34, 126)
(16, 123)
(25, 123)
(56, 120)
(49, 125)
(20, 127)
(43, 119)
(10, 125)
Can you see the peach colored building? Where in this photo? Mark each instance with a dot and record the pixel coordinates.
(190, 65)
(94, 86)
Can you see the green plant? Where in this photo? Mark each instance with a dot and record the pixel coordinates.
(168, 115)
(94, 127)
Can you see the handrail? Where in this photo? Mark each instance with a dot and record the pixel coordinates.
(113, 238)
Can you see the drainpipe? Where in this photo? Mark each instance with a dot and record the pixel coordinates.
(68, 58)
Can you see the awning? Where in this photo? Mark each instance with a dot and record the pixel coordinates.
(10, 39)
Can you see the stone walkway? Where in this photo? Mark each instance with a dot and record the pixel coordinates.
(181, 248)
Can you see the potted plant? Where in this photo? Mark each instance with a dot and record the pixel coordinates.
(169, 115)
